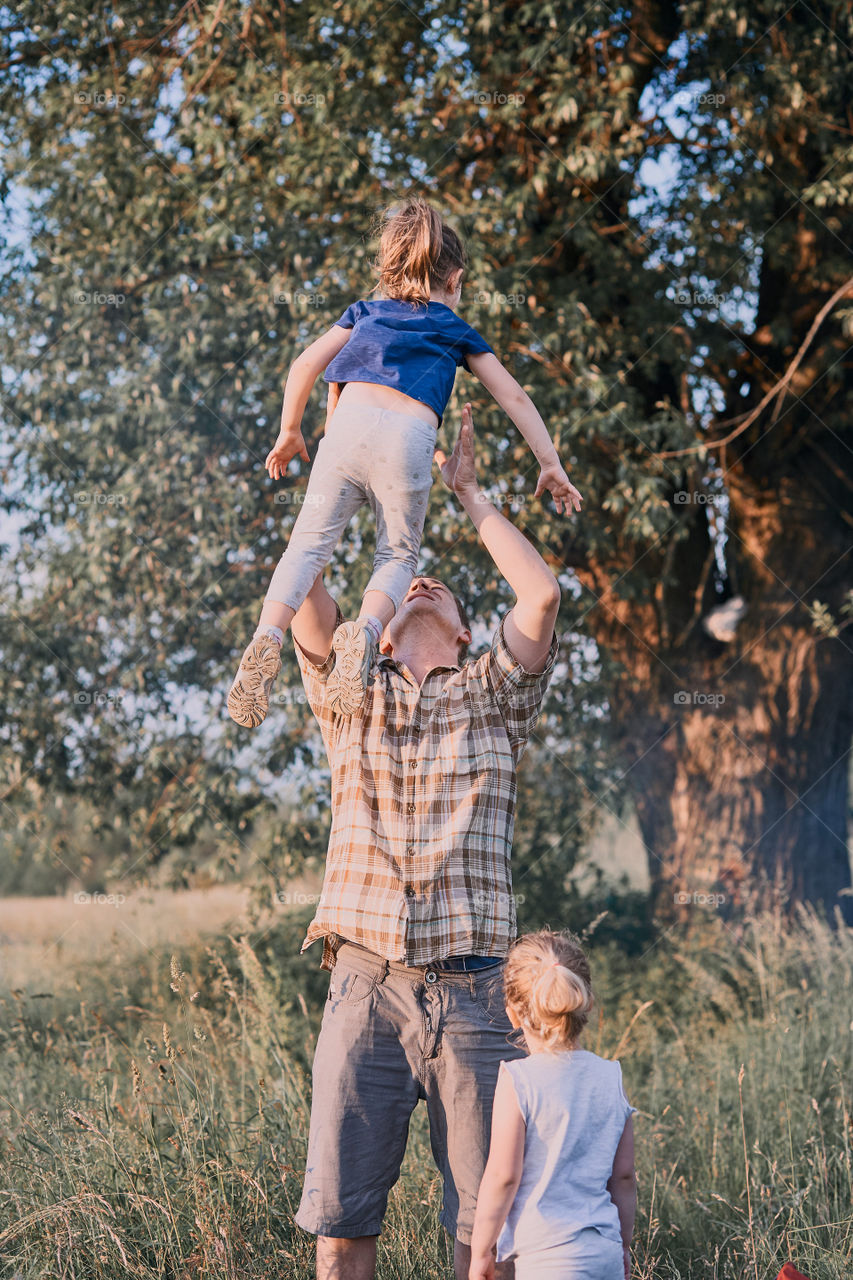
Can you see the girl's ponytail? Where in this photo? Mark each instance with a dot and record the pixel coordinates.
(418, 251)
(547, 981)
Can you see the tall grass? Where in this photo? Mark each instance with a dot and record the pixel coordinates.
(158, 1127)
(743, 1077)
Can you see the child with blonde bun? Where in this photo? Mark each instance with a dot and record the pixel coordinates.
(558, 1194)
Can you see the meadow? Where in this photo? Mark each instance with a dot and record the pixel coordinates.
(154, 1101)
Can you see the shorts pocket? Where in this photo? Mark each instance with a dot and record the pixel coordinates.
(350, 986)
(488, 995)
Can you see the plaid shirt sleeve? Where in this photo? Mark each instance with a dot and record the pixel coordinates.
(518, 693)
(314, 681)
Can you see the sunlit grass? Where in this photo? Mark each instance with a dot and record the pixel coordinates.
(155, 1125)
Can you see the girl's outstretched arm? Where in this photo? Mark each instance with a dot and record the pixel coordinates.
(304, 371)
(515, 402)
(500, 1180)
(623, 1190)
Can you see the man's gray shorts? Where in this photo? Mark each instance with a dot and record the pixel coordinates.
(392, 1034)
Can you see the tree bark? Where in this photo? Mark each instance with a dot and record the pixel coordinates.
(737, 754)
(747, 798)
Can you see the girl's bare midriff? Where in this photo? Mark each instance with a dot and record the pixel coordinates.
(387, 398)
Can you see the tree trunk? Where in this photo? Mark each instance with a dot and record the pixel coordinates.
(737, 754)
(747, 797)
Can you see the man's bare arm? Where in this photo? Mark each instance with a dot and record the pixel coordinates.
(529, 626)
(313, 623)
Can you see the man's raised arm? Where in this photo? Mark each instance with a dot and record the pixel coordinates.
(529, 626)
(314, 623)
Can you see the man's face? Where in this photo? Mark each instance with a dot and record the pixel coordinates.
(430, 603)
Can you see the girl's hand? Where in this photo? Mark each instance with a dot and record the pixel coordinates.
(287, 446)
(565, 495)
(458, 471)
(482, 1266)
(626, 1257)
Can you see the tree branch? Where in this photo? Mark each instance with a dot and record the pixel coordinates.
(776, 389)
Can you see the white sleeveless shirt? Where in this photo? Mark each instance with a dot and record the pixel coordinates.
(574, 1109)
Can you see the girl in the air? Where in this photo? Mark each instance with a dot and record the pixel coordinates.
(395, 358)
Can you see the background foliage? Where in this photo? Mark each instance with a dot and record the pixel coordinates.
(656, 202)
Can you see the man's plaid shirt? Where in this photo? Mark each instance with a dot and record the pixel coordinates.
(423, 806)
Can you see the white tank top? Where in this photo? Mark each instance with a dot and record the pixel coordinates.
(574, 1109)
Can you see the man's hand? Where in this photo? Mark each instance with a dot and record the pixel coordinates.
(458, 471)
(332, 402)
(626, 1260)
(529, 625)
(286, 447)
(565, 495)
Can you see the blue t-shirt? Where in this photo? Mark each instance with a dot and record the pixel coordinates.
(415, 348)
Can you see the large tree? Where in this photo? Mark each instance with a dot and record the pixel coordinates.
(656, 199)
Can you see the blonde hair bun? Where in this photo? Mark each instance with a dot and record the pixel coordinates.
(547, 980)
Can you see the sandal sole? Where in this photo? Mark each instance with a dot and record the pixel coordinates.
(347, 684)
(248, 697)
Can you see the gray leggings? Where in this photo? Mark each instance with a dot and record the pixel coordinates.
(371, 455)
